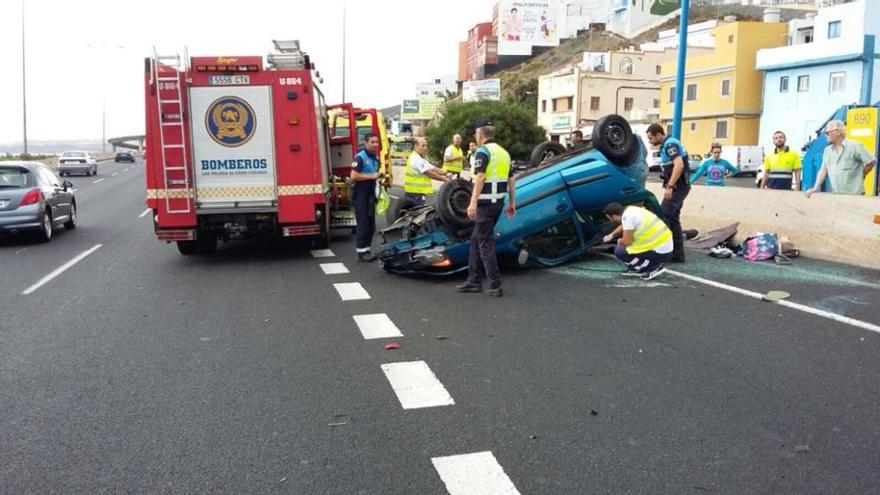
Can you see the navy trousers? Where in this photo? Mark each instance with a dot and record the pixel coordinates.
(482, 262)
(672, 209)
(364, 202)
(643, 262)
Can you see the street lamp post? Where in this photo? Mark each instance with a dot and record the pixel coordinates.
(23, 83)
(679, 77)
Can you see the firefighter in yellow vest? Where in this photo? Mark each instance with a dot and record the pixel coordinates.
(453, 157)
(492, 184)
(645, 241)
(419, 172)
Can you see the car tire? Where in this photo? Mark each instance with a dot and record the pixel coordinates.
(613, 137)
(46, 229)
(187, 248)
(545, 151)
(452, 203)
(71, 223)
(401, 206)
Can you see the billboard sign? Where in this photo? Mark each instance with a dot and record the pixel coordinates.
(486, 89)
(861, 126)
(524, 24)
(420, 109)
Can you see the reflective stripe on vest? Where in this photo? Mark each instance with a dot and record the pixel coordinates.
(415, 182)
(497, 173)
(651, 234)
(456, 166)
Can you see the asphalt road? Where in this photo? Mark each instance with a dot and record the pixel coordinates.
(139, 370)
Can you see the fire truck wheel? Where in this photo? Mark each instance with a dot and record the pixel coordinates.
(207, 243)
(187, 247)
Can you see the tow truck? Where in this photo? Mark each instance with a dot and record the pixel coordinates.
(237, 149)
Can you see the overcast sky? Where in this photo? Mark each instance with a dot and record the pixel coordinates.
(83, 52)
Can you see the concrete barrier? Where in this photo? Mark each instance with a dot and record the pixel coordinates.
(832, 227)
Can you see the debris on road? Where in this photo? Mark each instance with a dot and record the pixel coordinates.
(442, 337)
(776, 295)
(802, 449)
(593, 412)
(391, 346)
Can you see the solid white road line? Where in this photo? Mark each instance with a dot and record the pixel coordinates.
(97, 181)
(377, 326)
(416, 385)
(475, 473)
(322, 253)
(333, 268)
(115, 174)
(788, 304)
(351, 291)
(145, 213)
(61, 269)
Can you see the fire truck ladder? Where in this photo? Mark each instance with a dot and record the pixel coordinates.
(168, 83)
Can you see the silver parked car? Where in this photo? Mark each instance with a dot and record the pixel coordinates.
(77, 162)
(34, 199)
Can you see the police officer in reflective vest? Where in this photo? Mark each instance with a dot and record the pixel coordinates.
(674, 174)
(492, 184)
(644, 240)
(364, 174)
(419, 173)
(782, 169)
(453, 157)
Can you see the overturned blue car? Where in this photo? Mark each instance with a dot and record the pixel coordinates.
(559, 206)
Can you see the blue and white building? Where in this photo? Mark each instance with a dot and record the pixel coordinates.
(831, 60)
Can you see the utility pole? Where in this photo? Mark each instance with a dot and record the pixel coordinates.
(343, 51)
(104, 124)
(679, 78)
(23, 83)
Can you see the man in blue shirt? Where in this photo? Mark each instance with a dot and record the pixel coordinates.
(714, 168)
(674, 173)
(364, 174)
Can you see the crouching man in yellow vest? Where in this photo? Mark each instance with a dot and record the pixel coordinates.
(419, 172)
(645, 241)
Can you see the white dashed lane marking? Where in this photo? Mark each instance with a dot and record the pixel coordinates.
(145, 213)
(61, 269)
(377, 326)
(97, 181)
(351, 291)
(322, 253)
(416, 385)
(115, 174)
(471, 474)
(333, 268)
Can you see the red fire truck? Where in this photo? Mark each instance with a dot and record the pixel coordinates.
(236, 150)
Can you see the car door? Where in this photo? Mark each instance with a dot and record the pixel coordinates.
(55, 194)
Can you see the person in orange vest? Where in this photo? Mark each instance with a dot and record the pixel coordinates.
(644, 240)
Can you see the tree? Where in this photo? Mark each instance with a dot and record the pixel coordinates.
(515, 127)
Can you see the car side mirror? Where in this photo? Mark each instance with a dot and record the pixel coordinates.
(67, 185)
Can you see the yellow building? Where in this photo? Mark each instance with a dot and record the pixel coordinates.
(722, 89)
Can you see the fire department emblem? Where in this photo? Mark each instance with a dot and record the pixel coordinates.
(230, 121)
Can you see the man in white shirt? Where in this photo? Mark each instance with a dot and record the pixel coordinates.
(419, 173)
(645, 241)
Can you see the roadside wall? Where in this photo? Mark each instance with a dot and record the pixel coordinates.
(827, 226)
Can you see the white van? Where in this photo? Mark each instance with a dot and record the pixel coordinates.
(747, 159)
